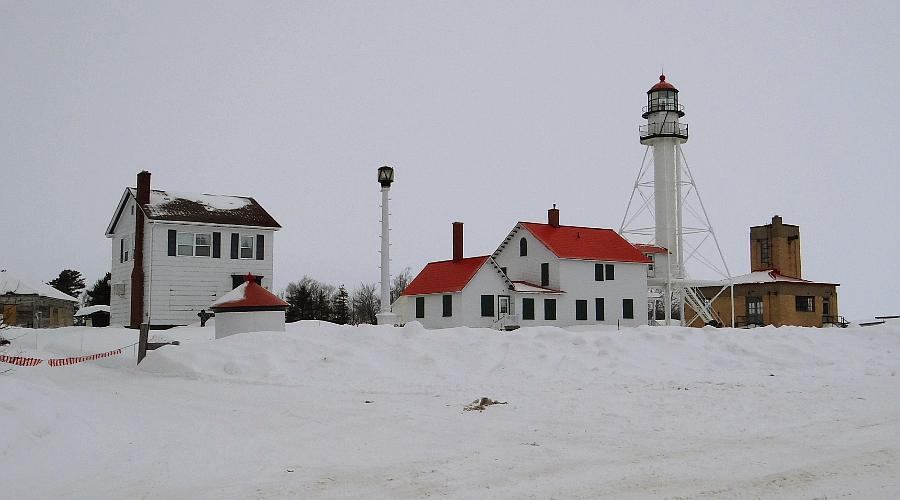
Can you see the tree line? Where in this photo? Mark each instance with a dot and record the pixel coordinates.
(309, 298)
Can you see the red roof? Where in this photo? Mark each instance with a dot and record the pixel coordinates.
(662, 85)
(586, 243)
(445, 276)
(249, 296)
(650, 248)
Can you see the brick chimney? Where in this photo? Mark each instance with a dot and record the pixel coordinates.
(137, 273)
(457, 241)
(553, 216)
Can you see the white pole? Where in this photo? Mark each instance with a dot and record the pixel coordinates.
(385, 317)
(385, 252)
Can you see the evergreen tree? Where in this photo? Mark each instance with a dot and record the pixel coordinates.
(341, 307)
(99, 294)
(68, 282)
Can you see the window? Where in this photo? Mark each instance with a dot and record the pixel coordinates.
(805, 303)
(127, 243)
(764, 251)
(523, 247)
(239, 279)
(202, 244)
(650, 272)
(527, 308)
(600, 309)
(545, 274)
(487, 306)
(628, 308)
(581, 310)
(610, 272)
(826, 306)
(754, 310)
(246, 248)
(194, 244)
(420, 307)
(550, 309)
(598, 272)
(448, 306)
(186, 244)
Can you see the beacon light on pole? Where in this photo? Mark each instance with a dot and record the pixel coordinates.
(385, 176)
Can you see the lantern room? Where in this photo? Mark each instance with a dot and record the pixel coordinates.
(663, 97)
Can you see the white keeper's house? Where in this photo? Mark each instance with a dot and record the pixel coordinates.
(175, 253)
(542, 274)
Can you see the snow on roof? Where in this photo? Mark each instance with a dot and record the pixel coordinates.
(249, 296)
(445, 276)
(524, 286)
(87, 311)
(586, 243)
(645, 248)
(9, 284)
(204, 208)
(768, 276)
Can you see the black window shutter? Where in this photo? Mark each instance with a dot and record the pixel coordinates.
(122, 250)
(235, 241)
(260, 247)
(173, 236)
(217, 245)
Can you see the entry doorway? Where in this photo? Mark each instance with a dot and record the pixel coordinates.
(503, 306)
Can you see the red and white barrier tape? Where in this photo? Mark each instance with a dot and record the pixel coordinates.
(20, 361)
(81, 359)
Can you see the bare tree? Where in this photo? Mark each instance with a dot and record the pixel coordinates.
(401, 281)
(364, 304)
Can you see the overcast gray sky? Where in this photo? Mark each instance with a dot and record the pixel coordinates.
(489, 111)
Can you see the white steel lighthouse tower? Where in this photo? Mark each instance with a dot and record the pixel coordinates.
(677, 218)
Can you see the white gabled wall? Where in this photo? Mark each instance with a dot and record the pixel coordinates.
(466, 304)
(578, 281)
(528, 267)
(120, 272)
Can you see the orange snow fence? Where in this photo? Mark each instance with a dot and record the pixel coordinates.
(80, 359)
(20, 361)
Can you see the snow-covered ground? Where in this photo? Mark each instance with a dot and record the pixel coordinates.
(326, 411)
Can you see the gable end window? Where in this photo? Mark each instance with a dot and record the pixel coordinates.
(420, 307)
(523, 247)
(545, 274)
(805, 303)
(448, 306)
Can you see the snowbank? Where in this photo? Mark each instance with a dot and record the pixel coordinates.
(329, 411)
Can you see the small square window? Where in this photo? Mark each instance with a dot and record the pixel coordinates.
(203, 244)
(805, 303)
(247, 246)
(186, 244)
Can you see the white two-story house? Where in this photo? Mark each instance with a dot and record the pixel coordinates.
(542, 274)
(175, 253)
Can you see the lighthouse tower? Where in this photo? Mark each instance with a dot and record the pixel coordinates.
(664, 134)
(664, 195)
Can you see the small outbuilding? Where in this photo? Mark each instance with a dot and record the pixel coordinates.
(33, 305)
(93, 316)
(248, 308)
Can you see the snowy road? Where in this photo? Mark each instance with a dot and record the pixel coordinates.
(641, 413)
